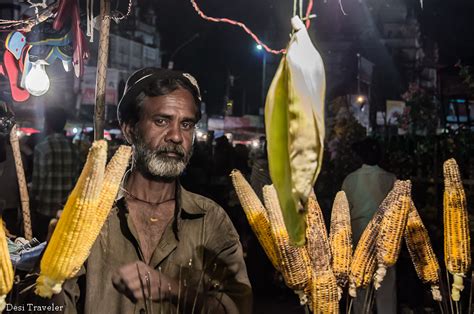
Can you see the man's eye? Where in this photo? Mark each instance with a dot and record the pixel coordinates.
(160, 122)
(188, 125)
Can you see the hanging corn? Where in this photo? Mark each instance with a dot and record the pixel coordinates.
(340, 238)
(421, 252)
(392, 229)
(67, 249)
(6, 268)
(294, 119)
(256, 215)
(457, 242)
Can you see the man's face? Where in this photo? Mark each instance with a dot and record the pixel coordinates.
(163, 137)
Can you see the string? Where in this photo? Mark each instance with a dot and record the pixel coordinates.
(236, 23)
(342, 8)
(308, 13)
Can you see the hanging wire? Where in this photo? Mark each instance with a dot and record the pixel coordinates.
(308, 13)
(240, 24)
(117, 16)
(342, 8)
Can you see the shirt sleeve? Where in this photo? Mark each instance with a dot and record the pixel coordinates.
(69, 296)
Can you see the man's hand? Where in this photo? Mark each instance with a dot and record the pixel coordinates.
(138, 281)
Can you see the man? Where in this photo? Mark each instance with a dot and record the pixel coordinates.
(54, 171)
(162, 249)
(365, 189)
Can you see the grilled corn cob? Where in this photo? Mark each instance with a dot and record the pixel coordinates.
(294, 260)
(421, 252)
(457, 249)
(364, 261)
(256, 215)
(392, 229)
(68, 249)
(340, 239)
(325, 295)
(317, 242)
(6, 269)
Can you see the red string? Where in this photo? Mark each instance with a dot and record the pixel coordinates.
(240, 24)
(308, 12)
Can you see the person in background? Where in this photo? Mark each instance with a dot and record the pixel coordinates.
(366, 188)
(54, 171)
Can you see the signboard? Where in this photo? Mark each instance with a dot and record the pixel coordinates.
(88, 86)
(395, 108)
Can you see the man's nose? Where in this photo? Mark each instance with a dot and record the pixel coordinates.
(174, 134)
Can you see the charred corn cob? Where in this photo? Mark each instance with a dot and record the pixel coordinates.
(6, 269)
(256, 215)
(457, 248)
(324, 293)
(392, 229)
(421, 252)
(317, 241)
(294, 261)
(364, 261)
(68, 249)
(340, 239)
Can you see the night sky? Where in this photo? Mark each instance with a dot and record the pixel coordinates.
(223, 49)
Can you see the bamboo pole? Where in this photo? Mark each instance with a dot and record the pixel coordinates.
(101, 80)
(20, 173)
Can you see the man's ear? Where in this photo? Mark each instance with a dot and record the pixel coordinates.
(128, 132)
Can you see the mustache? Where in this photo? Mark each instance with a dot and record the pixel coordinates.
(171, 148)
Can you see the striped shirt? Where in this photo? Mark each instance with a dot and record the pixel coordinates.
(54, 173)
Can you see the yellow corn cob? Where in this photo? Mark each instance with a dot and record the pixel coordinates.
(317, 241)
(6, 269)
(114, 173)
(324, 293)
(392, 229)
(421, 252)
(340, 239)
(68, 249)
(457, 248)
(294, 260)
(364, 261)
(256, 215)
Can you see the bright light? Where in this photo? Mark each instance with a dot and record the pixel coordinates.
(74, 130)
(255, 143)
(199, 134)
(37, 81)
(360, 99)
(259, 47)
